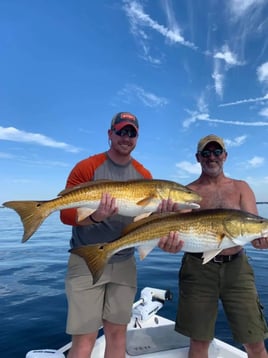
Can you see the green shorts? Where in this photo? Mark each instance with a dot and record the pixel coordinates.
(111, 298)
(201, 288)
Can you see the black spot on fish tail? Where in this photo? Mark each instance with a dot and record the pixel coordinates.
(95, 257)
(32, 214)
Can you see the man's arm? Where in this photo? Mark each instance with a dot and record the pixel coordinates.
(248, 203)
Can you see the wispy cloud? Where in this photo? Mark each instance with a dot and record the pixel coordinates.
(236, 142)
(149, 99)
(218, 78)
(224, 59)
(202, 103)
(264, 112)
(246, 21)
(229, 57)
(140, 22)
(189, 167)
(262, 73)
(242, 101)
(256, 162)
(240, 7)
(195, 116)
(17, 135)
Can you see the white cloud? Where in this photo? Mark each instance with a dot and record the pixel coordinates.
(189, 167)
(17, 135)
(223, 60)
(236, 142)
(140, 22)
(138, 17)
(229, 57)
(262, 72)
(264, 112)
(149, 99)
(256, 162)
(240, 7)
(196, 116)
(248, 100)
(202, 104)
(218, 82)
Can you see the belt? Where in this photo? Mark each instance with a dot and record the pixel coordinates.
(219, 259)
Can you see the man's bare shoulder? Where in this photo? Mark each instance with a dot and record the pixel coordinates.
(224, 180)
(239, 183)
(194, 183)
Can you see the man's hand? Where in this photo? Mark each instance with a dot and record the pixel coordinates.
(171, 243)
(167, 206)
(106, 208)
(260, 243)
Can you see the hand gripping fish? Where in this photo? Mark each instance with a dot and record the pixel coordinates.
(133, 198)
(207, 231)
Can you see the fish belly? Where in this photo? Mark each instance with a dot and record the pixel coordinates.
(204, 243)
(125, 207)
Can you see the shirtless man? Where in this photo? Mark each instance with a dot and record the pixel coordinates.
(228, 276)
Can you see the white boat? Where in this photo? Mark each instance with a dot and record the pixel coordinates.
(149, 335)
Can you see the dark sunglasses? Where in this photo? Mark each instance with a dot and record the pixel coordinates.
(131, 133)
(207, 153)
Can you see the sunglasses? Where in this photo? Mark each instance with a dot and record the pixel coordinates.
(207, 153)
(131, 133)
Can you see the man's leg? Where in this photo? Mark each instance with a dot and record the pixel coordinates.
(198, 349)
(256, 350)
(115, 335)
(82, 345)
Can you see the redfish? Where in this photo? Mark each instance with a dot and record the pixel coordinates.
(133, 198)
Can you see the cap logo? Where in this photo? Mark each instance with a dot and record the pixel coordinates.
(127, 116)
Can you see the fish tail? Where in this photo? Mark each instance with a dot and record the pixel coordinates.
(31, 213)
(95, 256)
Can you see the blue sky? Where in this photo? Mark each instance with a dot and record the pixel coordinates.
(186, 68)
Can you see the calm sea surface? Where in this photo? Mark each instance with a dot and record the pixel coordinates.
(32, 298)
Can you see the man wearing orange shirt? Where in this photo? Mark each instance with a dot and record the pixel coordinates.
(109, 302)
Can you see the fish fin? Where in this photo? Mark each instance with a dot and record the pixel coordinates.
(136, 224)
(220, 237)
(84, 185)
(83, 213)
(95, 257)
(32, 214)
(152, 216)
(239, 242)
(208, 255)
(141, 216)
(145, 201)
(144, 250)
(146, 220)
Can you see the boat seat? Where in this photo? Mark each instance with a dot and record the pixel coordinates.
(154, 339)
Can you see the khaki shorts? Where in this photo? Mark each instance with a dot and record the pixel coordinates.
(201, 288)
(111, 298)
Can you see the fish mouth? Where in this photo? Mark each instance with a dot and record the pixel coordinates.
(264, 233)
(189, 205)
(194, 205)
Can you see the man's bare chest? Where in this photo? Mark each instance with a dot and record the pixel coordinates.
(219, 198)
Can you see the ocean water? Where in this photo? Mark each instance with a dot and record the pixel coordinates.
(32, 298)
